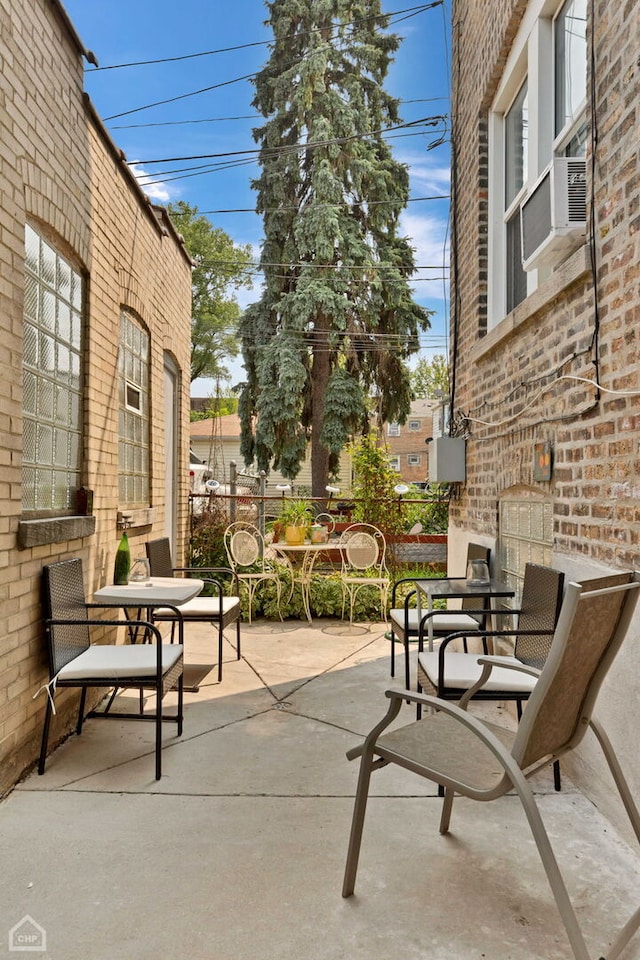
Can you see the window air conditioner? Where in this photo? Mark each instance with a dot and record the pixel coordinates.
(553, 216)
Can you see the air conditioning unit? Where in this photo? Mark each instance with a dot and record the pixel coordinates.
(553, 218)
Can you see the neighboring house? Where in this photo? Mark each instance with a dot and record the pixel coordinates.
(217, 443)
(546, 301)
(95, 319)
(407, 442)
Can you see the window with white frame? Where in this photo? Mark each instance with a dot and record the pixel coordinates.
(538, 114)
(133, 420)
(414, 459)
(52, 379)
(415, 425)
(394, 463)
(393, 430)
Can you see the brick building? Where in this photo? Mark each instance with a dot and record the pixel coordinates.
(546, 297)
(407, 442)
(95, 298)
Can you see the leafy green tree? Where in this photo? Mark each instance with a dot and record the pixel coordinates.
(220, 267)
(430, 378)
(336, 321)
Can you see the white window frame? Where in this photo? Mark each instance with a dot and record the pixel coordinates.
(414, 459)
(394, 463)
(414, 425)
(133, 421)
(393, 429)
(531, 58)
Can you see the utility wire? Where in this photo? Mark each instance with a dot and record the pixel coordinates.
(414, 11)
(226, 83)
(344, 203)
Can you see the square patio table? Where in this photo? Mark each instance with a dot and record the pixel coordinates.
(457, 588)
(155, 592)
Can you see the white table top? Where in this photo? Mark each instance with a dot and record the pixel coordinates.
(150, 593)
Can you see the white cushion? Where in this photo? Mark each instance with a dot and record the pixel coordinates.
(442, 622)
(111, 661)
(462, 670)
(200, 608)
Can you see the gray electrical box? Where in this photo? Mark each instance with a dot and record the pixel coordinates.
(447, 460)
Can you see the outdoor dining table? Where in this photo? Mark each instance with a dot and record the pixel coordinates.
(457, 588)
(300, 558)
(151, 593)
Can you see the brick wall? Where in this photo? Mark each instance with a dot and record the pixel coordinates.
(520, 377)
(59, 170)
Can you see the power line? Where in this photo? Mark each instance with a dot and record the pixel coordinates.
(246, 116)
(248, 76)
(414, 11)
(369, 203)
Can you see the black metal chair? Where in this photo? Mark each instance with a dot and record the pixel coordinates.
(404, 620)
(75, 662)
(219, 609)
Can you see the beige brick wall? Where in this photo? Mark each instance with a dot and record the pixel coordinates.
(59, 170)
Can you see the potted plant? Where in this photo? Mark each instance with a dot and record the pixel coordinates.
(296, 517)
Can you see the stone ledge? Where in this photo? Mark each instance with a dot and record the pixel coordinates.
(35, 533)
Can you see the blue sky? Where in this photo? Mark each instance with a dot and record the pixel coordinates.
(220, 119)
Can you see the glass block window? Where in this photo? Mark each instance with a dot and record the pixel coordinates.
(393, 430)
(414, 459)
(394, 463)
(415, 425)
(133, 420)
(52, 379)
(525, 536)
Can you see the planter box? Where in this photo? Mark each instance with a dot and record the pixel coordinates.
(419, 548)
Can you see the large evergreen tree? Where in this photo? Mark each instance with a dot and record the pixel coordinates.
(336, 321)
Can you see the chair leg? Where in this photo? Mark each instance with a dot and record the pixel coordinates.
(445, 816)
(45, 736)
(238, 638)
(158, 725)
(180, 703)
(220, 638)
(83, 700)
(393, 652)
(357, 823)
(407, 669)
(557, 782)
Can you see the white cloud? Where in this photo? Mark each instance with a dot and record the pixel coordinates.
(154, 189)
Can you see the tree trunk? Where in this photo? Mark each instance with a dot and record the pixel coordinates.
(319, 379)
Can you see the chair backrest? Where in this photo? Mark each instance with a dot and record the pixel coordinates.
(363, 547)
(475, 551)
(159, 557)
(593, 622)
(540, 605)
(243, 543)
(63, 598)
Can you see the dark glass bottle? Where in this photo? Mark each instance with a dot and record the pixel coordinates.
(122, 565)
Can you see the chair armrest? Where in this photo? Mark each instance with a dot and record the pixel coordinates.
(518, 667)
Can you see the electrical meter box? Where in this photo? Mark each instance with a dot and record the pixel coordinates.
(447, 460)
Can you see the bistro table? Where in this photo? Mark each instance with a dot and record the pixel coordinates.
(457, 588)
(301, 558)
(154, 592)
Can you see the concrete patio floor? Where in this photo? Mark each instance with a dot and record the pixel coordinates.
(237, 852)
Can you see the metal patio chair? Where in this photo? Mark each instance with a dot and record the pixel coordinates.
(483, 762)
(245, 548)
(363, 549)
(219, 610)
(404, 620)
(75, 662)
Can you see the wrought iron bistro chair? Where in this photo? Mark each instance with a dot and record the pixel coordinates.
(482, 761)
(363, 548)
(246, 553)
(218, 609)
(404, 620)
(75, 662)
